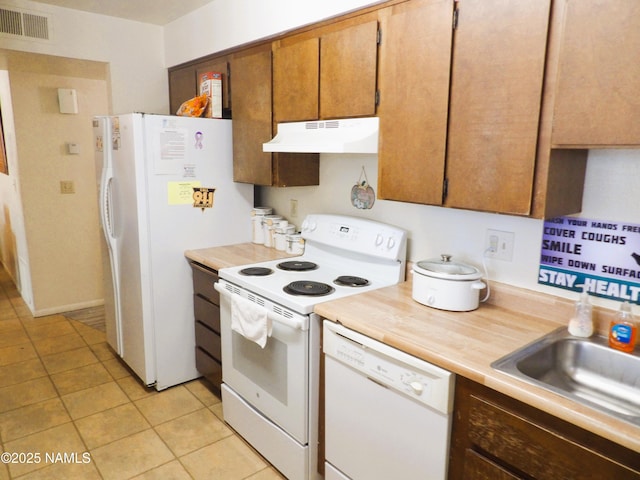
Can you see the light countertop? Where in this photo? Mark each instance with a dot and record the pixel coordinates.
(465, 343)
(234, 255)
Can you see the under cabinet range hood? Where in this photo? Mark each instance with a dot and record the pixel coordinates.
(351, 135)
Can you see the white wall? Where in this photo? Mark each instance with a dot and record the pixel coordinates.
(224, 24)
(611, 193)
(137, 81)
(50, 242)
(134, 51)
(62, 231)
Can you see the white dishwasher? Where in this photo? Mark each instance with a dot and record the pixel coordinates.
(387, 413)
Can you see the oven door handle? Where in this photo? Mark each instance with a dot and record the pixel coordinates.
(300, 324)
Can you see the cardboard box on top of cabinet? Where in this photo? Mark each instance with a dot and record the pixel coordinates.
(211, 85)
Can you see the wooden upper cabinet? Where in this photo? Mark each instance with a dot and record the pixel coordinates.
(598, 90)
(329, 73)
(252, 126)
(182, 87)
(348, 64)
(251, 117)
(184, 82)
(295, 81)
(415, 55)
(496, 93)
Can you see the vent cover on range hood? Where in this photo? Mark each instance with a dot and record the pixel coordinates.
(352, 135)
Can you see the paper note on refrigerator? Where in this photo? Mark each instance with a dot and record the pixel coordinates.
(181, 193)
(172, 143)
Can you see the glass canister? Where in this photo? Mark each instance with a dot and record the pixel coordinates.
(280, 235)
(269, 223)
(257, 215)
(295, 244)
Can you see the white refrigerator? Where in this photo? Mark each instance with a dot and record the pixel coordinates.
(166, 186)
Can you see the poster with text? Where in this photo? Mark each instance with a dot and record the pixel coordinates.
(603, 256)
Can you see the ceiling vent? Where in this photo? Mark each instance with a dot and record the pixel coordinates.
(23, 24)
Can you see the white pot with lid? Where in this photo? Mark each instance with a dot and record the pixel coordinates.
(446, 285)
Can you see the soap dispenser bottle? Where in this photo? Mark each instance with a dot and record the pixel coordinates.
(623, 330)
(581, 324)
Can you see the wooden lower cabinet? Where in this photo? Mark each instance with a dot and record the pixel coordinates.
(206, 308)
(495, 437)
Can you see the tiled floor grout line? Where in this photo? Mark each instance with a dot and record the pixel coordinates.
(204, 403)
(73, 421)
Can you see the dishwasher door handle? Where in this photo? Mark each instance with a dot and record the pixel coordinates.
(275, 317)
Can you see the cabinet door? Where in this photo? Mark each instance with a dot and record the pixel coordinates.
(252, 126)
(348, 60)
(415, 55)
(479, 467)
(598, 91)
(182, 87)
(496, 91)
(251, 92)
(295, 81)
(497, 437)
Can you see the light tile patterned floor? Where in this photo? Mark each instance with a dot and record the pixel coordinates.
(69, 409)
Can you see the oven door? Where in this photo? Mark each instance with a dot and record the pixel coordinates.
(275, 379)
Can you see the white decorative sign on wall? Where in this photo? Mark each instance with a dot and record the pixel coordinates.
(604, 256)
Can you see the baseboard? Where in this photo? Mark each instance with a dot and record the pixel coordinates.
(67, 308)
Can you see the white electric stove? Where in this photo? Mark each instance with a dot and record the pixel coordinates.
(343, 256)
(270, 393)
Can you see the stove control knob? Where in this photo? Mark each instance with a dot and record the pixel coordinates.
(391, 243)
(379, 240)
(309, 226)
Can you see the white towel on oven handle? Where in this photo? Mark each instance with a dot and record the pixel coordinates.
(250, 320)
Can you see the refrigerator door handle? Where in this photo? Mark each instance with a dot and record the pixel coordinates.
(105, 208)
(106, 217)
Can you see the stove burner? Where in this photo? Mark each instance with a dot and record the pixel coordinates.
(351, 281)
(308, 288)
(297, 266)
(256, 271)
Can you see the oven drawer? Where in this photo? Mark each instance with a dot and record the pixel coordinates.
(209, 341)
(206, 313)
(209, 367)
(203, 280)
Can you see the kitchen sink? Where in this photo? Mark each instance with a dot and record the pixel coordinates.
(583, 369)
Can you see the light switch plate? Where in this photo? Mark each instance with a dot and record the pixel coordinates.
(73, 149)
(67, 186)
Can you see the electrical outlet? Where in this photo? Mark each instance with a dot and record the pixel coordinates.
(293, 208)
(499, 245)
(67, 186)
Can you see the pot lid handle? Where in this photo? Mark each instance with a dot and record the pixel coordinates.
(445, 257)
